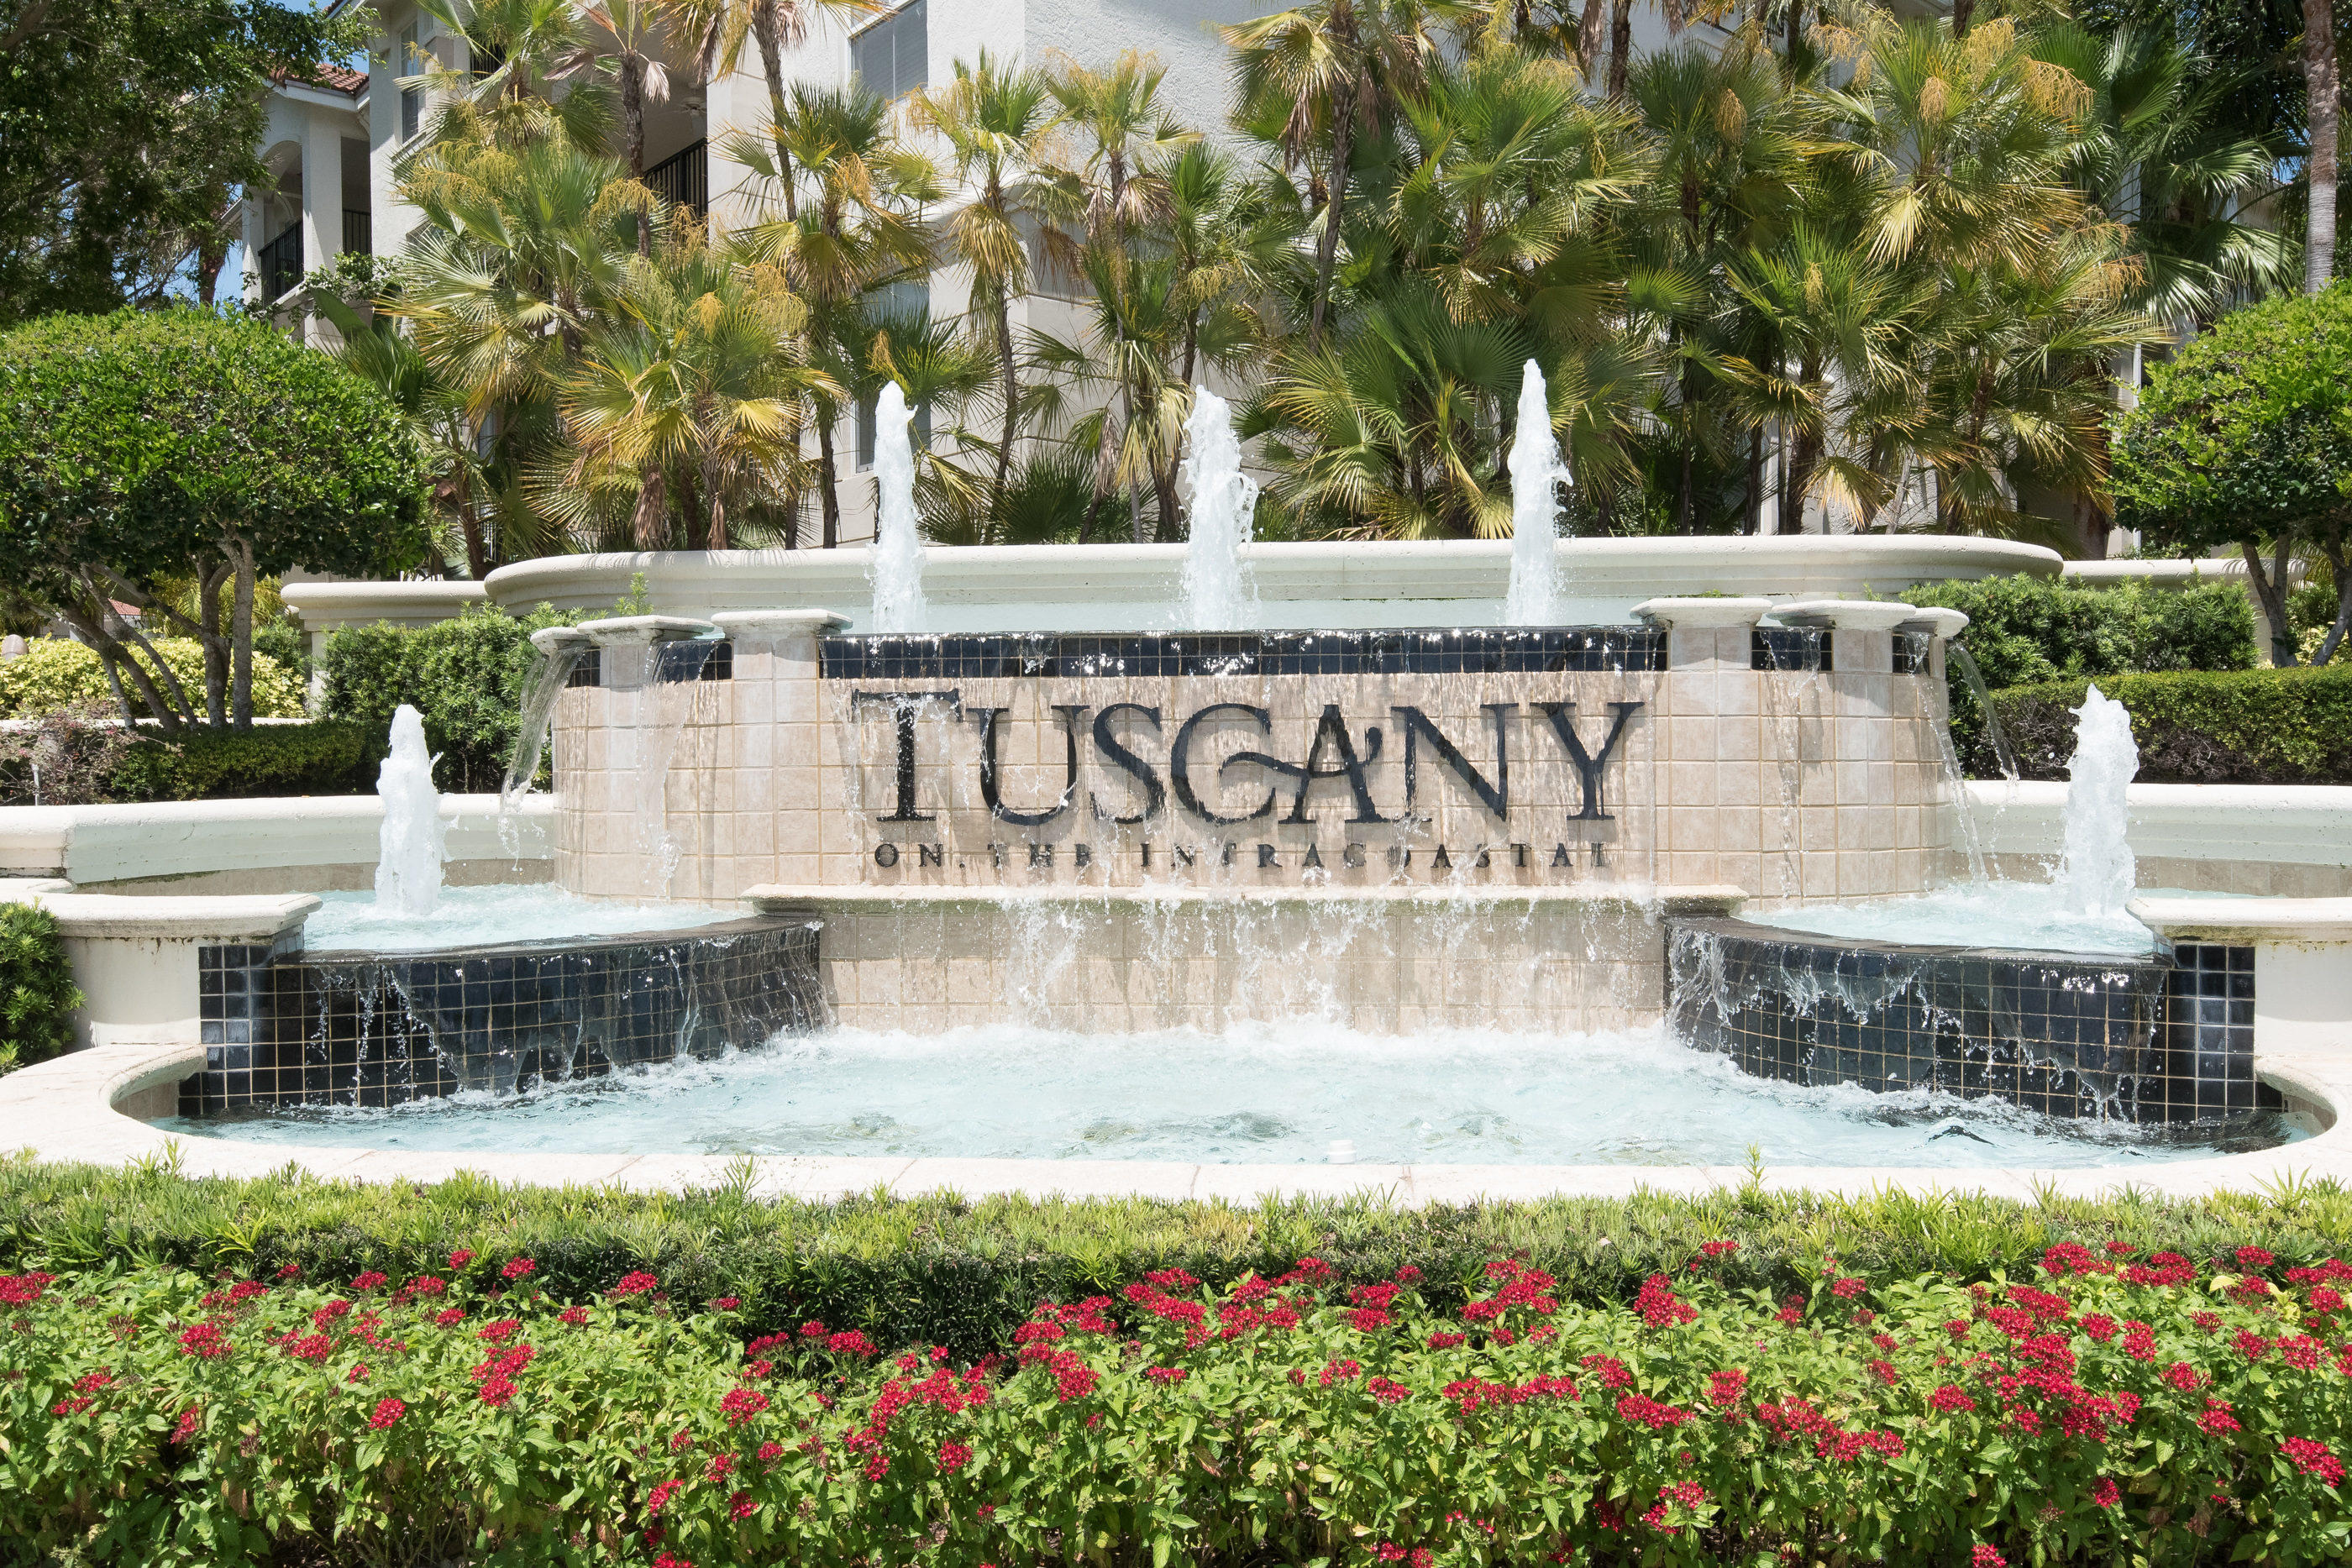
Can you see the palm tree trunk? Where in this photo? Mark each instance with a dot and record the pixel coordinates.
(826, 477)
(649, 527)
(772, 63)
(1327, 247)
(1755, 479)
(1011, 405)
(633, 124)
(2321, 86)
(1962, 12)
(1803, 453)
(1592, 40)
(1620, 44)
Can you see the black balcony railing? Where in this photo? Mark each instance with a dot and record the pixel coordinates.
(684, 178)
(280, 262)
(359, 232)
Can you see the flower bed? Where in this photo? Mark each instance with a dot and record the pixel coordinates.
(2187, 1413)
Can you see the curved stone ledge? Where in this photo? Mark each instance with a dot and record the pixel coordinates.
(72, 1110)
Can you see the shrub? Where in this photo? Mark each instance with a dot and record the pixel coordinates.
(2026, 630)
(2249, 727)
(56, 672)
(2110, 1409)
(65, 758)
(318, 759)
(466, 676)
(38, 997)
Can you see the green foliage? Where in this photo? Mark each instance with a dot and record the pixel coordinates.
(56, 672)
(322, 758)
(942, 1270)
(161, 1418)
(38, 996)
(2248, 727)
(2025, 630)
(466, 676)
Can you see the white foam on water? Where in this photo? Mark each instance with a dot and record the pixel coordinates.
(896, 561)
(1533, 598)
(490, 916)
(1281, 1092)
(1219, 592)
(414, 841)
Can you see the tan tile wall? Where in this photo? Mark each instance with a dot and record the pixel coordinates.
(1788, 786)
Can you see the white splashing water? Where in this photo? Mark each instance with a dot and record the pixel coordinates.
(412, 841)
(2098, 871)
(1536, 469)
(896, 561)
(1218, 591)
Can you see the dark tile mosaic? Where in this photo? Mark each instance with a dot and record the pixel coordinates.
(1459, 651)
(2166, 1038)
(696, 659)
(1791, 648)
(370, 1028)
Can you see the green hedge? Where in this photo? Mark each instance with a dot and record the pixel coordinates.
(2251, 727)
(2096, 1407)
(322, 758)
(38, 996)
(56, 672)
(936, 1271)
(466, 676)
(2026, 631)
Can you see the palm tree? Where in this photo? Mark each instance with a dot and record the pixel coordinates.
(863, 230)
(1325, 73)
(629, 30)
(697, 370)
(998, 121)
(721, 28)
(523, 80)
(2325, 94)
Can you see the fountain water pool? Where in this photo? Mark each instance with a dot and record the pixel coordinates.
(1261, 1093)
(501, 913)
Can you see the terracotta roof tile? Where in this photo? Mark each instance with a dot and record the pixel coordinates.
(335, 78)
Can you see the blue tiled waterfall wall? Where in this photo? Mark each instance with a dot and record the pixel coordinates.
(281, 1026)
(2166, 1039)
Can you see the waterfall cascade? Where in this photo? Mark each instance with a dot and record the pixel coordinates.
(414, 841)
(897, 557)
(1536, 469)
(2097, 871)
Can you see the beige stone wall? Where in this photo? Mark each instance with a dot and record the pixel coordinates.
(1786, 785)
(1118, 965)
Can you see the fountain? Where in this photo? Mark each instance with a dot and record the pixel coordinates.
(413, 843)
(896, 565)
(1218, 594)
(1535, 468)
(2098, 871)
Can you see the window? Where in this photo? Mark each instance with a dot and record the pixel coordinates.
(892, 57)
(410, 62)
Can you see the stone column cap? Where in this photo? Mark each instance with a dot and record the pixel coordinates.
(548, 639)
(1703, 613)
(1851, 614)
(1945, 624)
(2318, 922)
(626, 629)
(777, 622)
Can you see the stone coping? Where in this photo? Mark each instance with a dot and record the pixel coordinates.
(328, 606)
(1400, 583)
(217, 917)
(68, 1109)
(774, 899)
(1939, 621)
(2249, 920)
(1693, 613)
(623, 629)
(2298, 825)
(1850, 614)
(173, 838)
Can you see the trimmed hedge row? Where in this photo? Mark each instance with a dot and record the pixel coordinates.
(2252, 727)
(936, 1271)
(322, 758)
(466, 676)
(56, 673)
(2117, 1408)
(38, 995)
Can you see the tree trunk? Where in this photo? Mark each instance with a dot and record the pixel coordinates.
(1327, 246)
(2340, 562)
(469, 525)
(211, 254)
(1755, 479)
(1012, 411)
(240, 634)
(2320, 86)
(1163, 489)
(633, 123)
(829, 492)
(208, 614)
(649, 526)
(2272, 597)
(1963, 11)
(1592, 41)
(772, 63)
(1621, 45)
(792, 520)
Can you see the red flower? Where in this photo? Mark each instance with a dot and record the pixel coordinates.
(370, 1280)
(1444, 1341)
(635, 1283)
(292, 1270)
(516, 1267)
(741, 1404)
(1885, 1372)
(497, 1391)
(22, 1290)
(449, 1317)
(358, 1374)
(1388, 1390)
(660, 1496)
(1847, 1289)
(460, 1257)
(1949, 1399)
(741, 1506)
(1727, 1388)
(953, 1456)
(2255, 1259)
(728, 1304)
(500, 1332)
(2218, 1421)
(1988, 1557)
(851, 1342)
(770, 1452)
(388, 1413)
(2184, 1377)
(1166, 1375)
(2104, 1493)
(205, 1341)
(2314, 1459)
(575, 1316)
(190, 1419)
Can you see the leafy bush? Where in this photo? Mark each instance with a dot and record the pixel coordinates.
(466, 676)
(56, 672)
(38, 996)
(2249, 727)
(318, 758)
(64, 758)
(2026, 630)
(2108, 1411)
(937, 1270)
